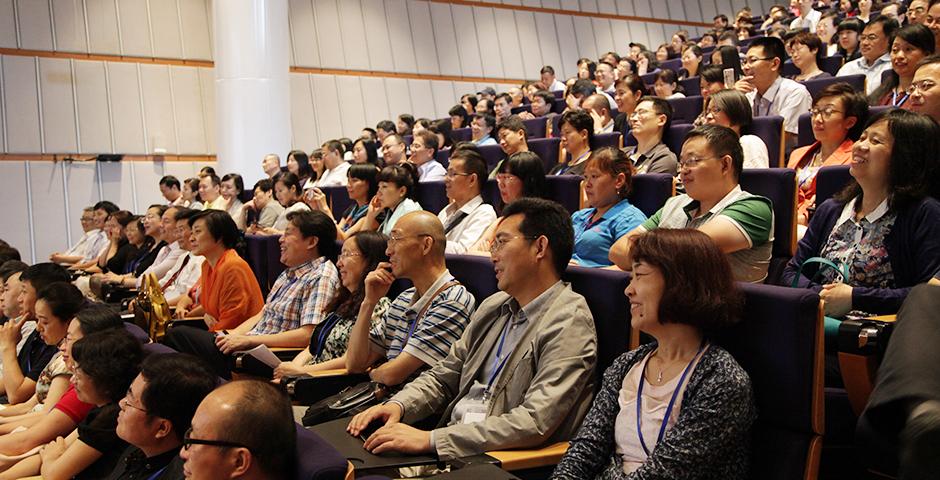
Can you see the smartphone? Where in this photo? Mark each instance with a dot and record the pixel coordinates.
(729, 77)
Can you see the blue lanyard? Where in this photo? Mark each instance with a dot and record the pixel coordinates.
(894, 99)
(158, 472)
(497, 364)
(672, 401)
(328, 325)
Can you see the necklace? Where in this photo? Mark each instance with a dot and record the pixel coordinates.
(659, 378)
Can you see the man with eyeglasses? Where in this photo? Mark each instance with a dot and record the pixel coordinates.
(423, 152)
(522, 375)
(513, 138)
(467, 216)
(155, 413)
(767, 91)
(648, 123)
(481, 127)
(876, 59)
(76, 252)
(740, 223)
(924, 94)
(296, 304)
(244, 430)
(423, 321)
(393, 149)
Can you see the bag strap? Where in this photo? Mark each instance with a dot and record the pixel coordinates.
(424, 310)
(840, 268)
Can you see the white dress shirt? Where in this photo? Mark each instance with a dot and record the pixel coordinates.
(334, 177)
(464, 234)
(431, 171)
(872, 72)
(96, 243)
(186, 278)
(786, 98)
(166, 258)
(808, 21)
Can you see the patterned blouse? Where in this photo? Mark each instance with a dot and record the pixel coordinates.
(336, 331)
(55, 368)
(860, 244)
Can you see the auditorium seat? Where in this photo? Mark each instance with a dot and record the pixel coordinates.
(674, 137)
(779, 185)
(651, 190)
(520, 109)
(603, 290)
(612, 139)
(275, 267)
(443, 157)
(408, 139)
(547, 149)
(649, 78)
(535, 127)
(338, 199)
(492, 154)
(156, 348)
(686, 110)
(815, 86)
(257, 259)
(566, 190)
(461, 135)
(672, 64)
(770, 130)
(325, 464)
(432, 196)
(556, 126)
(805, 126)
(475, 272)
(138, 333)
(559, 94)
(692, 86)
(559, 105)
(830, 180)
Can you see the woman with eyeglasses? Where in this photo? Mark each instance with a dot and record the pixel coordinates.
(881, 234)
(361, 254)
(910, 45)
(729, 108)
(520, 175)
(838, 117)
(395, 197)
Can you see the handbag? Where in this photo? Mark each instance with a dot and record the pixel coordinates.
(151, 310)
(350, 401)
(831, 324)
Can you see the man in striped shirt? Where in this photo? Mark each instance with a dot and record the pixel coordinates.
(423, 321)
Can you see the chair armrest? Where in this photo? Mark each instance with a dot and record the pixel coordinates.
(862, 343)
(330, 373)
(195, 322)
(308, 390)
(512, 460)
(286, 353)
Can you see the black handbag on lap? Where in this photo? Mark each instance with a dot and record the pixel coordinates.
(350, 401)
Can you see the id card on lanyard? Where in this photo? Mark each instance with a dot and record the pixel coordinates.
(478, 408)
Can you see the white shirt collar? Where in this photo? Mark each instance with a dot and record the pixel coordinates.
(848, 212)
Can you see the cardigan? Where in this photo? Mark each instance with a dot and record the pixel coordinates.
(913, 249)
(710, 439)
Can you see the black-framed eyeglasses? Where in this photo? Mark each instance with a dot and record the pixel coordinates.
(188, 441)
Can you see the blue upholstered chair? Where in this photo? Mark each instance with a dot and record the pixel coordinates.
(432, 196)
(461, 135)
(443, 157)
(556, 125)
(815, 86)
(475, 272)
(154, 348)
(492, 154)
(317, 459)
(258, 260)
(779, 185)
(671, 64)
(673, 137)
(612, 139)
(830, 180)
(770, 130)
(338, 198)
(692, 86)
(535, 127)
(603, 289)
(138, 333)
(566, 190)
(559, 105)
(686, 110)
(830, 65)
(520, 109)
(547, 149)
(651, 190)
(272, 248)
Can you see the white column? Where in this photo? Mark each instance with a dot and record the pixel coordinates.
(252, 90)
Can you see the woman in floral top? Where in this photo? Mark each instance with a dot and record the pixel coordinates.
(361, 254)
(884, 228)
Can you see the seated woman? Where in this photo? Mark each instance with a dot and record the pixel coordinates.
(105, 365)
(395, 198)
(153, 229)
(692, 56)
(520, 175)
(607, 180)
(228, 290)
(190, 194)
(911, 44)
(361, 254)
(577, 138)
(848, 31)
(667, 85)
(361, 185)
(231, 188)
(680, 383)
(711, 80)
(56, 304)
(122, 251)
(289, 194)
(882, 232)
(838, 118)
(366, 151)
(727, 56)
(627, 94)
(806, 50)
(298, 163)
(729, 108)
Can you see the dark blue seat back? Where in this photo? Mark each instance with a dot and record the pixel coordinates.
(155, 348)
(692, 86)
(602, 140)
(556, 126)
(246, 195)
(566, 190)
(326, 464)
(461, 135)
(520, 109)
(804, 134)
(138, 333)
(831, 65)
(558, 94)
(672, 64)
(830, 180)
(492, 154)
(408, 139)
(604, 291)
(275, 267)
(673, 137)
(649, 78)
(443, 157)
(779, 344)
(686, 110)
(257, 258)
(650, 191)
(475, 272)
(770, 130)
(779, 185)
(432, 196)
(559, 105)
(490, 193)
(339, 199)
(816, 85)
(535, 127)
(546, 149)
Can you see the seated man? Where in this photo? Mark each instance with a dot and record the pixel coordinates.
(254, 423)
(171, 191)
(423, 150)
(522, 374)
(874, 43)
(481, 127)
(295, 305)
(502, 106)
(420, 325)
(10, 277)
(165, 259)
(740, 223)
(605, 75)
(21, 370)
(210, 191)
(156, 412)
(548, 80)
(393, 149)
(271, 164)
(188, 267)
(95, 240)
(925, 97)
(91, 232)
(542, 102)
(599, 107)
(513, 138)
(466, 217)
(648, 123)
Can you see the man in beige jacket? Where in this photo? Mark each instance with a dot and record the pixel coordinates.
(522, 374)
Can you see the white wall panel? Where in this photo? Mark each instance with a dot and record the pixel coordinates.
(584, 37)
(607, 6)
(116, 180)
(374, 100)
(21, 103)
(423, 37)
(603, 37)
(570, 5)
(180, 170)
(376, 34)
(399, 98)
(158, 108)
(195, 24)
(551, 3)
(620, 32)
(82, 192)
(444, 97)
(568, 43)
(189, 121)
(69, 19)
(35, 24)
(509, 50)
(135, 28)
(327, 107)
(15, 227)
(328, 34)
(7, 24)
(165, 25)
(422, 102)
(303, 121)
(147, 183)
(207, 85)
(58, 105)
(548, 42)
(468, 45)
(48, 193)
(127, 126)
(489, 42)
(529, 44)
(101, 18)
(303, 32)
(352, 111)
(353, 41)
(445, 39)
(399, 34)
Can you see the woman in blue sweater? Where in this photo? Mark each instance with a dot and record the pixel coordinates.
(882, 232)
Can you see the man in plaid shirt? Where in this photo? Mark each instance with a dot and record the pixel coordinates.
(294, 306)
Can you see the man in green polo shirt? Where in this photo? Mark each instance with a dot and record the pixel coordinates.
(740, 223)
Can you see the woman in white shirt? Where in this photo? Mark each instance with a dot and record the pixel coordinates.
(395, 198)
(289, 194)
(729, 108)
(231, 187)
(667, 85)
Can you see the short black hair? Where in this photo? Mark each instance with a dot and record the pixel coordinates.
(721, 141)
(98, 318)
(513, 123)
(314, 223)
(889, 25)
(546, 218)
(546, 96)
(213, 179)
(238, 181)
(773, 48)
(402, 175)
(265, 185)
(176, 384)
(63, 299)
(111, 359)
(430, 141)
(367, 172)
(579, 120)
(583, 87)
(170, 181)
(107, 206)
(386, 125)
(547, 69)
(183, 213)
(661, 107)
(473, 163)
(220, 225)
(8, 253)
(42, 274)
(487, 118)
(207, 170)
(10, 268)
(262, 420)
(290, 181)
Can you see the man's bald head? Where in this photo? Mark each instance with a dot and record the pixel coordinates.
(597, 103)
(424, 223)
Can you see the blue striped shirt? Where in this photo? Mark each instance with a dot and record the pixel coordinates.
(441, 326)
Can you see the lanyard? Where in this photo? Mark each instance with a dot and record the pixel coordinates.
(328, 325)
(894, 98)
(576, 161)
(497, 364)
(158, 472)
(672, 401)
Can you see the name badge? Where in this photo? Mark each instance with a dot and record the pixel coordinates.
(475, 412)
